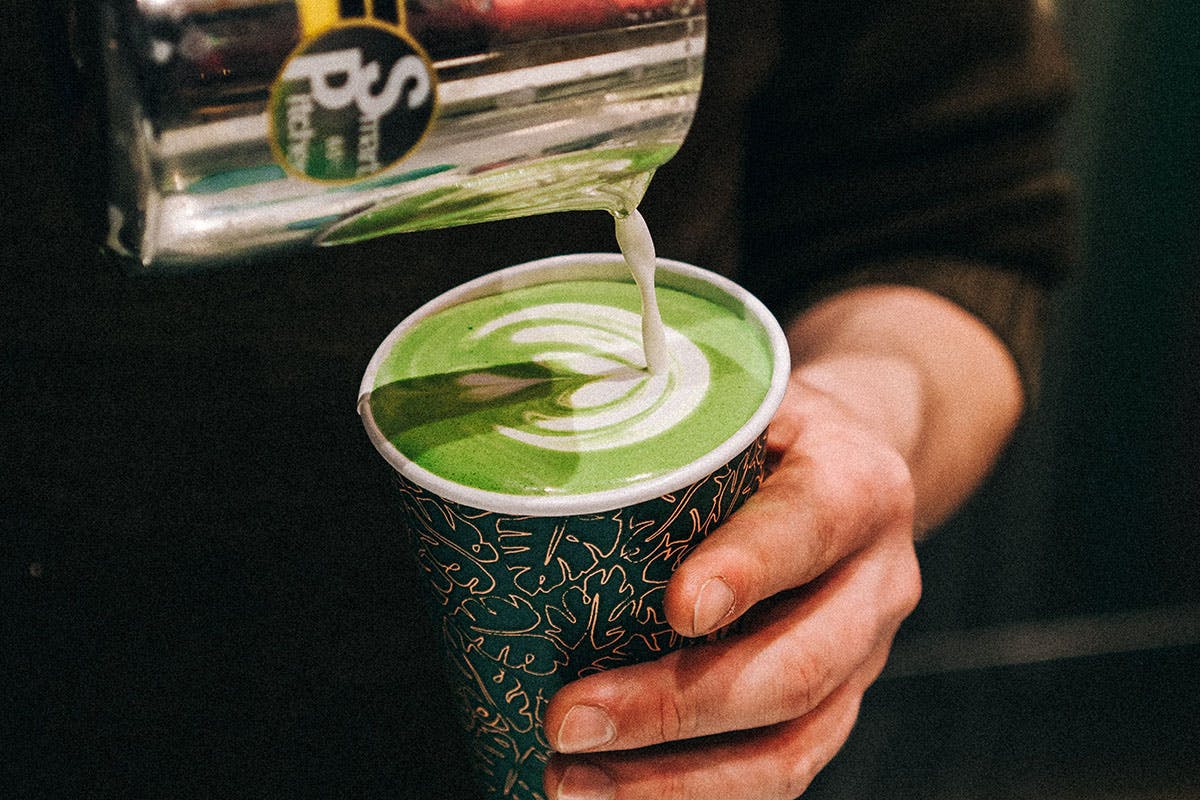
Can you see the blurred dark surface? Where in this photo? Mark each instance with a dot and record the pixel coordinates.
(185, 615)
(1116, 727)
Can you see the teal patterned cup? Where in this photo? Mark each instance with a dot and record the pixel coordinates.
(535, 588)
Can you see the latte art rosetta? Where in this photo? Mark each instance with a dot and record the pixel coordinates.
(543, 389)
(620, 404)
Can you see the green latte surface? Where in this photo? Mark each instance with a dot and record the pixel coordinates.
(542, 390)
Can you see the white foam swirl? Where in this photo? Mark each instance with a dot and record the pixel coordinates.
(622, 403)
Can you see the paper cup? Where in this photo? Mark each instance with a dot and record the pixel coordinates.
(535, 591)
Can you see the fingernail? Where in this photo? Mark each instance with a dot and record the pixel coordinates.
(585, 728)
(713, 605)
(585, 782)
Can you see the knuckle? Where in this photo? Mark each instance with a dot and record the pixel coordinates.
(674, 787)
(793, 770)
(804, 687)
(871, 486)
(910, 584)
(893, 484)
(801, 759)
(797, 776)
(676, 717)
(903, 581)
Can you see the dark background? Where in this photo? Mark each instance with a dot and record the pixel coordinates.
(1055, 652)
(1096, 510)
(187, 612)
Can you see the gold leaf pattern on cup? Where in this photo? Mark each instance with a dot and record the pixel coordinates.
(529, 603)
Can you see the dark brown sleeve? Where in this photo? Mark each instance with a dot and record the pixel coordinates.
(914, 142)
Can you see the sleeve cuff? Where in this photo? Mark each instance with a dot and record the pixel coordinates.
(1008, 302)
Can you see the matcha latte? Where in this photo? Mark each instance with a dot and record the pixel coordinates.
(531, 383)
(551, 483)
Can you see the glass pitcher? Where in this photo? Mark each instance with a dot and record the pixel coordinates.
(242, 127)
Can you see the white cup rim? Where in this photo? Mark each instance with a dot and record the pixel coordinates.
(670, 273)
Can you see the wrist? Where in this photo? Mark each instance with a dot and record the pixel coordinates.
(886, 394)
(927, 377)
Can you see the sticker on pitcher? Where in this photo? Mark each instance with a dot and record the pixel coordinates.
(351, 101)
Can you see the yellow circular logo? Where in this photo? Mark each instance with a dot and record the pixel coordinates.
(351, 102)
